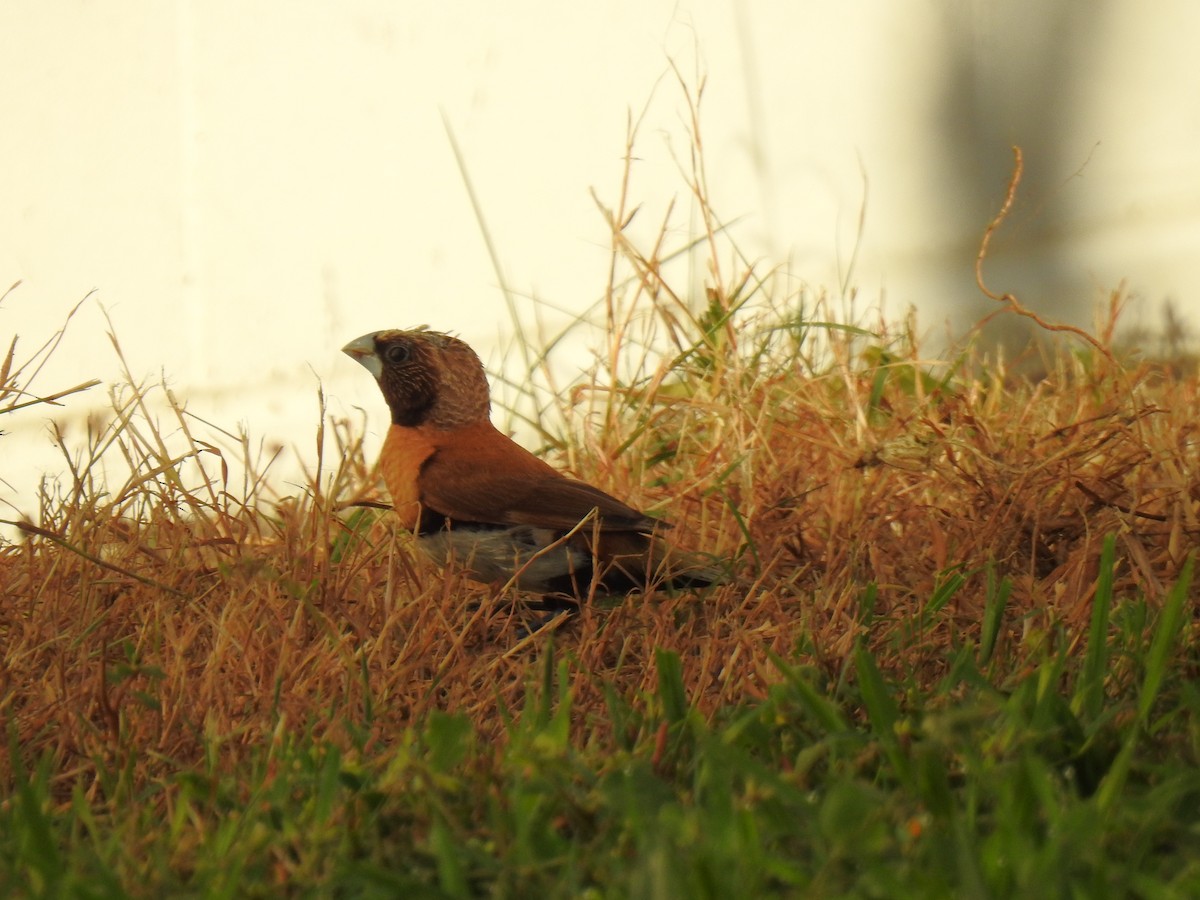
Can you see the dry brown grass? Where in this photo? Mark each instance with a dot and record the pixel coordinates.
(139, 624)
(180, 619)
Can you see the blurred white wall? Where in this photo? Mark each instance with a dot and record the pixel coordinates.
(247, 185)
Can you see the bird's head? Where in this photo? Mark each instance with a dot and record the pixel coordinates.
(426, 377)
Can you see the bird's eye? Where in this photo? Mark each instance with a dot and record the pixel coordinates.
(396, 353)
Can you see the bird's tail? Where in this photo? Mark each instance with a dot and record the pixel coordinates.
(636, 561)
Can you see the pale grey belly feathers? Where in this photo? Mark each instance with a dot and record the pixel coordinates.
(496, 555)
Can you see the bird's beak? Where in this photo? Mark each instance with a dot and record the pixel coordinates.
(362, 350)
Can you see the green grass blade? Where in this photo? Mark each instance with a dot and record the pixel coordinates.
(881, 709)
(998, 592)
(671, 691)
(452, 875)
(1090, 694)
(1169, 624)
(816, 704)
(948, 584)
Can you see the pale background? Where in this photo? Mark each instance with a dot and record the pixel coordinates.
(248, 185)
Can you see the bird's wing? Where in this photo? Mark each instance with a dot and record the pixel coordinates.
(507, 485)
(562, 502)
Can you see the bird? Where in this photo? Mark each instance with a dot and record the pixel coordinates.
(476, 499)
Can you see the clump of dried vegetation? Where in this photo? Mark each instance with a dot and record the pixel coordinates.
(857, 491)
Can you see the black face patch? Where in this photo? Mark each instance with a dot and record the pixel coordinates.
(409, 380)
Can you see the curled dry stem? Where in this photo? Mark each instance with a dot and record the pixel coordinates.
(1010, 301)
